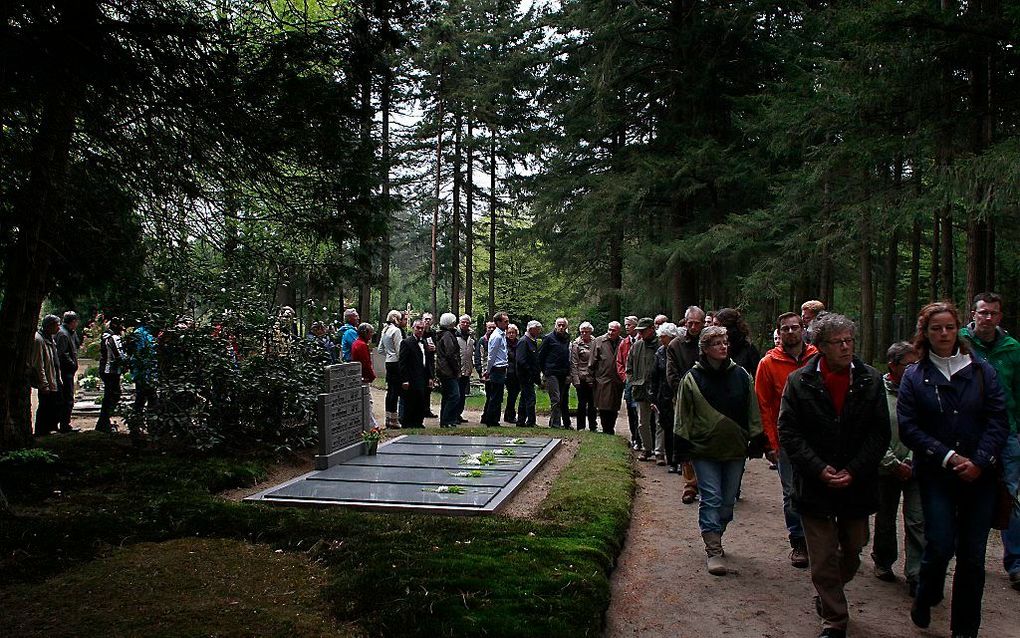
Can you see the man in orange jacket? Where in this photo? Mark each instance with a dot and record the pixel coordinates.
(777, 364)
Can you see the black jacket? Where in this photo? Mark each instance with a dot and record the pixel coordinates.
(814, 436)
(554, 355)
(67, 350)
(447, 355)
(744, 354)
(527, 360)
(409, 361)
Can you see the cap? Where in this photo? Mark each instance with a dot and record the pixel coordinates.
(645, 322)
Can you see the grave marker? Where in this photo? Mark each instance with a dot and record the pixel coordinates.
(342, 415)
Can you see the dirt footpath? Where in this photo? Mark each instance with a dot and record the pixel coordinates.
(661, 586)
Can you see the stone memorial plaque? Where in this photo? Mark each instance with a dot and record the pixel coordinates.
(343, 376)
(420, 475)
(383, 493)
(415, 473)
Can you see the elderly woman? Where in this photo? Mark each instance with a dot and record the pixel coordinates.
(389, 344)
(581, 376)
(742, 351)
(717, 416)
(448, 370)
(662, 396)
(513, 384)
(952, 414)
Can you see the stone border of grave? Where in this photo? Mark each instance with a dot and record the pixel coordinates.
(494, 505)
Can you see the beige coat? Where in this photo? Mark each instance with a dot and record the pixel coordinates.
(608, 386)
(45, 373)
(580, 357)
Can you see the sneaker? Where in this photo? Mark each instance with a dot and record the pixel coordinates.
(884, 573)
(799, 555)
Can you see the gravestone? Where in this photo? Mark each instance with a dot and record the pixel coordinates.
(343, 413)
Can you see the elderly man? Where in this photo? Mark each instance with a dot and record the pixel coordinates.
(348, 333)
(809, 311)
(630, 327)
(640, 368)
(414, 376)
(448, 365)
(67, 341)
(608, 386)
(496, 365)
(467, 349)
(775, 367)
(429, 339)
(528, 373)
(681, 355)
(554, 358)
(45, 376)
(990, 342)
(513, 384)
(834, 426)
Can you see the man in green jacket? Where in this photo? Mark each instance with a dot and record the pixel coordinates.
(990, 342)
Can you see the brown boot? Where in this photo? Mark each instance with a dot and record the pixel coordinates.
(799, 555)
(716, 555)
(690, 492)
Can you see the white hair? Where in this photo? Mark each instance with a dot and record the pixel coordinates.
(586, 324)
(534, 324)
(447, 319)
(463, 317)
(668, 329)
(393, 316)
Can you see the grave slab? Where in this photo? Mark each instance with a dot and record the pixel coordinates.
(408, 470)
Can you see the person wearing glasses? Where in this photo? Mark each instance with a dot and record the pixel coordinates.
(990, 342)
(775, 367)
(717, 419)
(834, 427)
(952, 413)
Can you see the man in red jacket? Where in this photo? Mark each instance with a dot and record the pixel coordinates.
(777, 364)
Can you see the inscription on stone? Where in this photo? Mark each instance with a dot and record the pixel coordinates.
(341, 409)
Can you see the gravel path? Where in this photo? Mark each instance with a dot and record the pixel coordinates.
(661, 586)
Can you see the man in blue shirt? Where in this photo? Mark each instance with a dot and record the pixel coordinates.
(495, 371)
(348, 333)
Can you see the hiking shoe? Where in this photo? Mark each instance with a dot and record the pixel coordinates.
(717, 565)
(688, 497)
(832, 632)
(799, 555)
(660, 459)
(884, 573)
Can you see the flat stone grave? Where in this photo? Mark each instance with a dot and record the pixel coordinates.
(422, 473)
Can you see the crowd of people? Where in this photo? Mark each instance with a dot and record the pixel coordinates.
(935, 437)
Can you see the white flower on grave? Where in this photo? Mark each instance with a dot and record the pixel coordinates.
(514, 442)
(447, 489)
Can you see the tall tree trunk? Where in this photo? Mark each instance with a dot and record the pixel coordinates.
(914, 287)
(867, 333)
(469, 218)
(936, 244)
(889, 290)
(492, 223)
(455, 215)
(36, 208)
(616, 273)
(438, 191)
(385, 100)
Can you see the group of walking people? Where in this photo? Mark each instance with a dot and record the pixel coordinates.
(934, 437)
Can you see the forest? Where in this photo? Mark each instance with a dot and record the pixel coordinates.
(579, 158)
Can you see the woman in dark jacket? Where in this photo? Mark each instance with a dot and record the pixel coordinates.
(952, 414)
(662, 395)
(742, 351)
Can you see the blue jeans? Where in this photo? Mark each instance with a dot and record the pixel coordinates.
(465, 390)
(632, 413)
(1011, 535)
(526, 411)
(793, 523)
(718, 484)
(494, 397)
(449, 410)
(957, 519)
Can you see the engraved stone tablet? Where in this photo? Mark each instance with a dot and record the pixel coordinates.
(342, 414)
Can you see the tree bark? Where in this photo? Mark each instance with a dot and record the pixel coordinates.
(867, 333)
(36, 209)
(914, 287)
(492, 224)
(889, 290)
(438, 190)
(616, 273)
(469, 218)
(455, 215)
